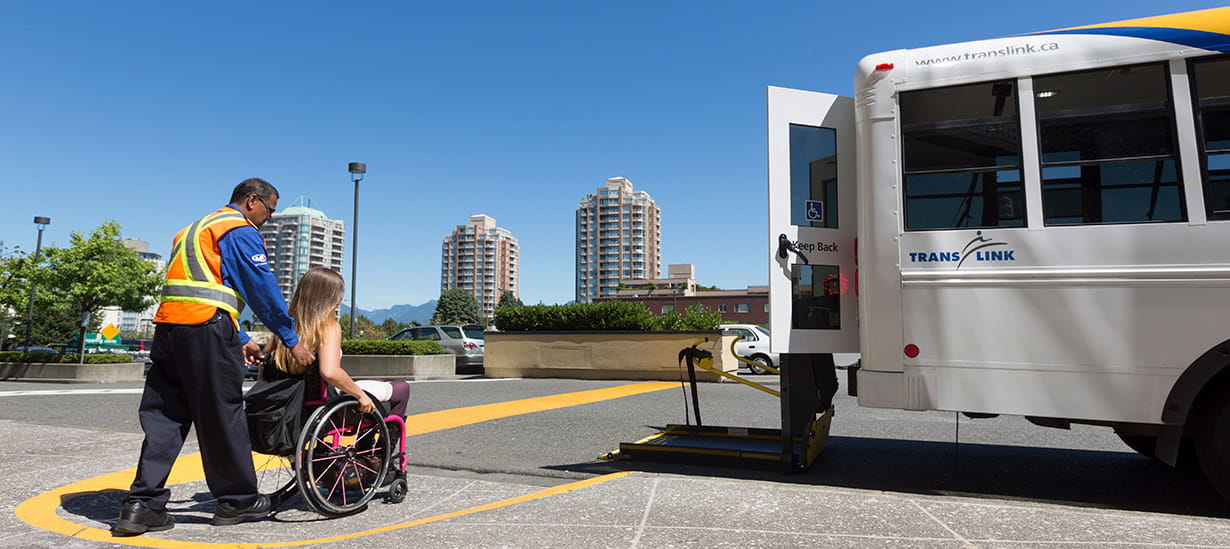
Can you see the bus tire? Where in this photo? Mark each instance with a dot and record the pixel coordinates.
(1213, 443)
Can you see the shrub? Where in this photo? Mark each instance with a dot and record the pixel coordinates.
(386, 347)
(48, 358)
(696, 318)
(608, 316)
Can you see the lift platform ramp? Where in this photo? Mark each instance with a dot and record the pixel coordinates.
(808, 383)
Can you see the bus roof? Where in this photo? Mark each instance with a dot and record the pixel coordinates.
(1144, 40)
(1205, 29)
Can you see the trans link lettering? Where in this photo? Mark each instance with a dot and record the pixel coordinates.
(939, 257)
(1005, 51)
(976, 248)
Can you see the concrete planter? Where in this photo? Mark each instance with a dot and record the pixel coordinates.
(601, 355)
(400, 366)
(73, 373)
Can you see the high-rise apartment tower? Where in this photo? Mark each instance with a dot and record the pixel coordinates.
(300, 238)
(481, 259)
(618, 236)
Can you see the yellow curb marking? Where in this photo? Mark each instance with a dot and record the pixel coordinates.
(40, 510)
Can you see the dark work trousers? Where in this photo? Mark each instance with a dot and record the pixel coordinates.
(196, 379)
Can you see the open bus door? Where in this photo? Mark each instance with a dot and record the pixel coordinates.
(811, 284)
(812, 230)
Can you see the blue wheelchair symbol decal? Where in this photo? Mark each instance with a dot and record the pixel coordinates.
(815, 210)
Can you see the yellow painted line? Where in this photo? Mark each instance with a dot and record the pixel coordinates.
(40, 510)
(496, 505)
(456, 417)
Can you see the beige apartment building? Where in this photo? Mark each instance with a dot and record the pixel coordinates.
(482, 259)
(618, 237)
(299, 238)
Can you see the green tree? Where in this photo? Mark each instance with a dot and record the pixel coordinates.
(457, 306)
(15, 273)
(364, 328)
(391, 327)
(95, 272)
(509, 299)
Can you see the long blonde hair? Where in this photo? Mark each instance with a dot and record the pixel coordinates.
(314, 308)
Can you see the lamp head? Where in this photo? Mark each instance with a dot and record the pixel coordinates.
(42, 220)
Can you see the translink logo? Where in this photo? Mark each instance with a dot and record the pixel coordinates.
(975, 249)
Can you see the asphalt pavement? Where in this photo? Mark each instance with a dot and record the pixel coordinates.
(887, 478)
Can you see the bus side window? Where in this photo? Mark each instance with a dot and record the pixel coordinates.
(961, 157)
(1108, 146)
(1211, 80)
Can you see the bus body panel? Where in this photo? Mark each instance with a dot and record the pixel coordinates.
(1085, 322)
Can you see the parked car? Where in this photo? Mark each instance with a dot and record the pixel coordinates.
(33, 349)
(464, 341)
(753, 344)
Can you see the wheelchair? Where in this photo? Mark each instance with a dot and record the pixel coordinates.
(343, 457)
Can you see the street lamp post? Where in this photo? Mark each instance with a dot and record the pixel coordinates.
(357, 169)
(42, 223)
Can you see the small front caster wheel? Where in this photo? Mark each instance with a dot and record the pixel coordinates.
(397, 491)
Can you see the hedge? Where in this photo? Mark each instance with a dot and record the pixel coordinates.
(386, 347)
(49, 358)
(608, 316)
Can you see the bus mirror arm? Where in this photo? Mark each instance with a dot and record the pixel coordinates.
(785, 245)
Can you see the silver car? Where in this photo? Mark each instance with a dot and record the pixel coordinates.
(464, 341)
(753, 344)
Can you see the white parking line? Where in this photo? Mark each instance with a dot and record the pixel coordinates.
(138, 390)
(72, 392)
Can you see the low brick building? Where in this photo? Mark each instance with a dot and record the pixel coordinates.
(678, 292)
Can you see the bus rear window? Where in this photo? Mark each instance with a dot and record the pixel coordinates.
(961, 157)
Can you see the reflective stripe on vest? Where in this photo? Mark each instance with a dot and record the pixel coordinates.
(202, 287)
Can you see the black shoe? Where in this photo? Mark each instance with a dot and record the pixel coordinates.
(225, 514)
(137, 518)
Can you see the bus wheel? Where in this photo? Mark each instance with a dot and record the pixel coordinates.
(1213, 444)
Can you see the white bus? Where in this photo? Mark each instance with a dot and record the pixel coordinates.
(1036, 225)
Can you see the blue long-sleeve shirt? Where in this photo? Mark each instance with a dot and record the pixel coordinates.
(245, 268)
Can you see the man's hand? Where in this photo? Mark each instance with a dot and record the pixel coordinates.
(251, 352)
(303, 356)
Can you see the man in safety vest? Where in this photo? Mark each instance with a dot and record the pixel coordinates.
(218, 264)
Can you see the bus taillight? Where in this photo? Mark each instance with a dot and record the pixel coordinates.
(911, 350)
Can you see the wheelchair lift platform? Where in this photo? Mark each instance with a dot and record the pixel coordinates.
(808, 385)
(743, 447)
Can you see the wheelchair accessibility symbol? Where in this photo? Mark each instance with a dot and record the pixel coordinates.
(815, 210)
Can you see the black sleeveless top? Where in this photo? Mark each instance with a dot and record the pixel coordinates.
(315, 390)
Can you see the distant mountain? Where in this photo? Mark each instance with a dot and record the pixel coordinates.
(400, 313)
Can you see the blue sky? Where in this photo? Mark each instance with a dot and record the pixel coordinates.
(149, 112)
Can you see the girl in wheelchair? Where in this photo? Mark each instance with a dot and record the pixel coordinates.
(314, 308)
(330, 470)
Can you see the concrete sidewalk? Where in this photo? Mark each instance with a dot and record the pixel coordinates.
(637, 509)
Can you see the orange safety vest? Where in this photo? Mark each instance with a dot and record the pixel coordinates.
(193, 290)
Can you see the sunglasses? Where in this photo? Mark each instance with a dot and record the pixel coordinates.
(267, 206)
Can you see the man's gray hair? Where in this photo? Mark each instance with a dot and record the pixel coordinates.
(258, 187)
